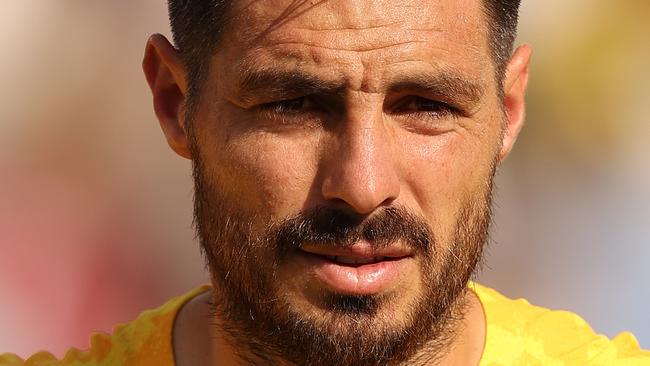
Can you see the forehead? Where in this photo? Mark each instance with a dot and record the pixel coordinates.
(361, 41)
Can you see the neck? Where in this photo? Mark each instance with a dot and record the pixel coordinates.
(202, 338)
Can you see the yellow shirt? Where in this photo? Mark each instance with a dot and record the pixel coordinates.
(518, 333)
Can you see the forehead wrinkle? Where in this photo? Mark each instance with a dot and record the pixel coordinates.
(312, 49)
(354, 39)
(363, 70)
(270, 17)
(356, 24)
(362, 50)
(348, 28)
(303, 71)
(396, 25)
(355, 14)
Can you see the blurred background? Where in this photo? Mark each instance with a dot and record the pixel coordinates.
(95, 209)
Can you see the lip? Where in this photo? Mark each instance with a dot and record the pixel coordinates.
(359, 250)
(356, 279)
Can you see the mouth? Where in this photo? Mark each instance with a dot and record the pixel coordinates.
(357, 270)
(358, 261)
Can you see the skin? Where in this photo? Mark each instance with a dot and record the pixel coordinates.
(373, 133)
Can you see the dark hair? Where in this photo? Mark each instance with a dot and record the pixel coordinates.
(502, 16)
(197, 26)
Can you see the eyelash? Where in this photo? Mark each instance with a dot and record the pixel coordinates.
(436, 109)
(284, 106)
(414, 105)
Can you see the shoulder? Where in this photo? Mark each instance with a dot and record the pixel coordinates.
(144, 341)
(519, 333)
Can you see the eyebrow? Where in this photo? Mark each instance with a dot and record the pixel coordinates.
(293, 83)
(444, 84)
(287, 84)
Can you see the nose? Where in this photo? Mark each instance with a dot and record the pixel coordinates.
(359, 170)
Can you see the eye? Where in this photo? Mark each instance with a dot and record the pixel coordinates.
(432, 108)
(302, 111)
(287, 106)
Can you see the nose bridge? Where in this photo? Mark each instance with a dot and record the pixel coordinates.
(360, 171)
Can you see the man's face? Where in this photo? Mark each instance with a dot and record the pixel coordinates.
(344, 154)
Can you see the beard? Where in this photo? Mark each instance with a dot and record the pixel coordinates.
(245, 252)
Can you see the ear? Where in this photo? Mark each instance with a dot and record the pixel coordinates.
(514, 88)
(165, 74)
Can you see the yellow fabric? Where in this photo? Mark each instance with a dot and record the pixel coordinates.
(518, 333)
(145, 341)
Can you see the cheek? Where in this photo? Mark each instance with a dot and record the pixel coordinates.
(262, 172)
(271, 174)
(442, 172)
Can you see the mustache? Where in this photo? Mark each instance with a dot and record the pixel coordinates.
(339, 228)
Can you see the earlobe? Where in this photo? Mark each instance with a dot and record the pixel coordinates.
(165, 74)
(514, 84)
